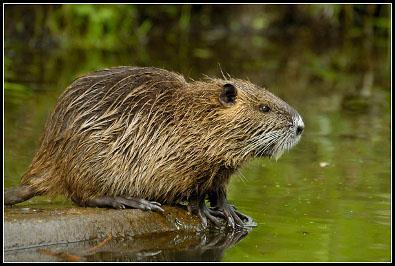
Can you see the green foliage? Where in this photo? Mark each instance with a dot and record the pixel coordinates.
(242, 31)
(97, 26)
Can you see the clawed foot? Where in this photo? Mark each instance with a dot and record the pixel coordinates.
(217, 215)
(233, 217)
(136, 203)
(205, 214)
(121, 203)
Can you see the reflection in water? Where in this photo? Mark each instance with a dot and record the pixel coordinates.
(173, 246)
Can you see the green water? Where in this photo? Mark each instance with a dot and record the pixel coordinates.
(327, 199)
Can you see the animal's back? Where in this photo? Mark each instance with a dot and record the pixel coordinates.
(100, 139)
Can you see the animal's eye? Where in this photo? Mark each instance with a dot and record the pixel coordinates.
(264, 108)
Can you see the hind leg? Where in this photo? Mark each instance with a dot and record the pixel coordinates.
(18, 194)
(119, 203)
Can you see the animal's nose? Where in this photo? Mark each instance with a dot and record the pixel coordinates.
(299, 130)
(298, 122)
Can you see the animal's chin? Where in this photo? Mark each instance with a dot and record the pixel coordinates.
(265, 152)
(276, 155)
(276, 150)
(272, 154)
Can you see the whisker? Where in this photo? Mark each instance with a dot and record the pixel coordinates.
(242, 177)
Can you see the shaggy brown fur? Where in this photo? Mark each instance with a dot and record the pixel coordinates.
(147, 133)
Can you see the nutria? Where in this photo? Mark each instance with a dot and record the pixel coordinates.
(138, 137)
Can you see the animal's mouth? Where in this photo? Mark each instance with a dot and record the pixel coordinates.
(278, 148)
(284, 146)
(274, 143)
(266, 151)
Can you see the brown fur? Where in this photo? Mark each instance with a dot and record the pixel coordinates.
(147, 133)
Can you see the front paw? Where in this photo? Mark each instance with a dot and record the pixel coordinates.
(233, 217)
(204, 213)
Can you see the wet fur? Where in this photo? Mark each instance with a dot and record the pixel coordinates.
(147, 133)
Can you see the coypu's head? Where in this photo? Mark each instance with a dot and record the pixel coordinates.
(258, 123)
(273, 125)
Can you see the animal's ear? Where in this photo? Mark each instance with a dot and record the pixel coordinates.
(228, 95)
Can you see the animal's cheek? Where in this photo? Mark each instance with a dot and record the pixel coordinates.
(282, 124)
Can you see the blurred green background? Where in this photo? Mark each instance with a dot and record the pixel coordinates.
(328, 199)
